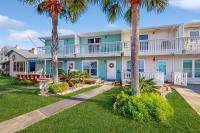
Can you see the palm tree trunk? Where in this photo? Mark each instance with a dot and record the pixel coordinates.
(54, 47)
(135, 11)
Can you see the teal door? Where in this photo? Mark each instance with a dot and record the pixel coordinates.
(162, 67)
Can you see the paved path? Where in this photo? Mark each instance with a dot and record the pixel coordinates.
(192, 97)
(23, 121)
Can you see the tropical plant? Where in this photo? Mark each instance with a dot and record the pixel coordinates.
(130, 10)
(75, 77)
(146, 86)
(68, 9)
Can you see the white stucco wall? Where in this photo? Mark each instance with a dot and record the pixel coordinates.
(174, 64)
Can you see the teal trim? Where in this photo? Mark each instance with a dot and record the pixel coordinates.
(104, 38)
(48, 67)
(65, 66)
(78, 64)
(69, 41)
(106, 45)
(47, 42)
(102, 66)
(119, 68)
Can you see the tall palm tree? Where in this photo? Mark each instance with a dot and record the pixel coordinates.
(130, 10)
(68, 9)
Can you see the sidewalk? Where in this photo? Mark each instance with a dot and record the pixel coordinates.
(191, 97)
(23, 121)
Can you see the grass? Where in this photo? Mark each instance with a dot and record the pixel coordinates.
(95, 115)
(17, 103)
(6, 84)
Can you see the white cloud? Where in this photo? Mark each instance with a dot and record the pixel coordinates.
(65, 32)
(9, 23)
(186, 4)
(112, 26)
(23, 35)
(196, 20)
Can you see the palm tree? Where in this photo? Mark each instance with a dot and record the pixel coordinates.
(130, 10)
(68, 9)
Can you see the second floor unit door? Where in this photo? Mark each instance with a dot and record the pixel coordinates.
(144, 44)
(94, 45)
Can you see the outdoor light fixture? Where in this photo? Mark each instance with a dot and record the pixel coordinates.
(154, 58)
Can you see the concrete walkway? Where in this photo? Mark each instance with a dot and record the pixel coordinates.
(192, 97)
(23, 121)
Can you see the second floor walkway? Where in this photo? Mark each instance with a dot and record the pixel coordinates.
(185, 45)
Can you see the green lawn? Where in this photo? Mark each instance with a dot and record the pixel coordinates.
(96, 115)
(6, 84)
(17, 103)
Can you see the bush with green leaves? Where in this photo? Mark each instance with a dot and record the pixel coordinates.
(74, 77)
(58, 87)
(146, 86)
(22, 82)
(146, 107)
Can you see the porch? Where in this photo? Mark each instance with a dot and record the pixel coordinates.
(179, 78)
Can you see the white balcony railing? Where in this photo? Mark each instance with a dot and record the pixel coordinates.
(157, 76)
(146, 47)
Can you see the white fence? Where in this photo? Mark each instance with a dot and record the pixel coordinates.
(157, 76)
(180, 78)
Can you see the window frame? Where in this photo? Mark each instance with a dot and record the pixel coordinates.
(193, 66)
(138, 64)
(90, 69)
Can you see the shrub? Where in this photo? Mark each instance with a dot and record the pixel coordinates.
(146, 107)
(22, 82)
(58, 87)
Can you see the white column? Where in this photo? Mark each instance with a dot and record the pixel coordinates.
(77, 44)
(45, 63)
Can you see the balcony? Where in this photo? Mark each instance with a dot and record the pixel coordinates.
(183, 45)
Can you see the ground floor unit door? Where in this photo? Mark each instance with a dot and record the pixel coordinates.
(161, 66)
(111, 70)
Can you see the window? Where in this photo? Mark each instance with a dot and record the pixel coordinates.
(194, 34)
(187, 67)
(19, 66)
(94, 40)
(197, 68)
(94, 47)
(60, 66)
(90, 67)
(143, 42)
(32, 66)
(141, 66)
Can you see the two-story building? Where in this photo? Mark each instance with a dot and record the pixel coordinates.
(166, 52)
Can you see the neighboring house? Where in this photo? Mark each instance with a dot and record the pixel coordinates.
(163, 51)
(23, 61)
(4, 61)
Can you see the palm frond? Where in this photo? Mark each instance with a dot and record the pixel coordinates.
(156, 5)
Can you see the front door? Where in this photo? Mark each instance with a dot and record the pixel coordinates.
(111, 70)
(162, 67)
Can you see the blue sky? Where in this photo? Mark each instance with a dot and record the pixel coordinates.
(19, 22)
